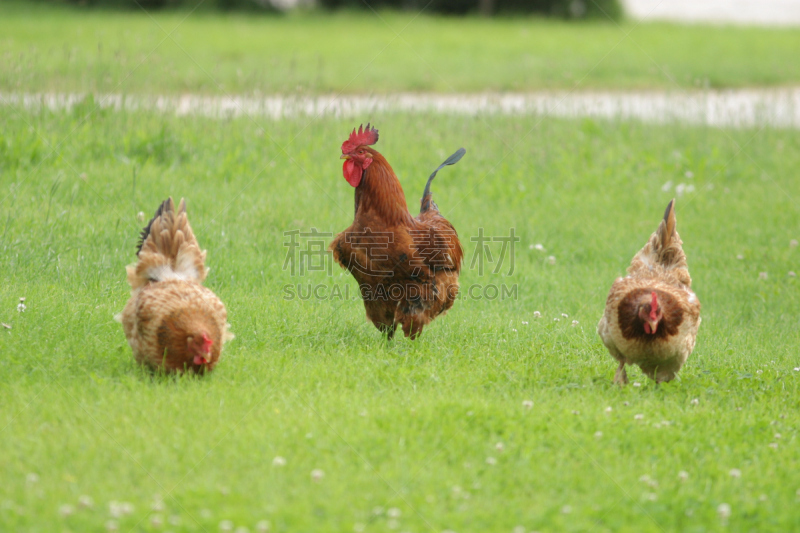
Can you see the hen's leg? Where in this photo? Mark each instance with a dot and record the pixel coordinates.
(621, 377)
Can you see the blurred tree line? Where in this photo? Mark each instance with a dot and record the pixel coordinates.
(573, 9)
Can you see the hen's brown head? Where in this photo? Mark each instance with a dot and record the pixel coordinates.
(357, 155)
(199, 347)
(651, 314)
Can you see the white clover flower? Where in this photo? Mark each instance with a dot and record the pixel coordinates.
(647, 480)
(112, 525)
(609, 409)
(777, 435)
(317, 474)
(667, 186)
(763, 498)
(556, 319)
(278, 461)
(205, 513)
(626, 404)
(683, 475)
(574, 323)
(551, 259)
(115, 509)
(175, 520)
(263, 526)
(226, 525)
(393, 512)
(514, 330)
(518, 529)
(792, 274)
(21, 307)
(650, 496)
(539, 247)
(796, 369)
(499, 447)
(694, 401)
(564, 315)
(85, 502)
(66, 510)
(157, 506)
(762, 275)
(491, 461)
(793, 243)
(638, 417)
(689, 174)
(32, 478)
(735, 473)
(140, 216)
(637, 384)
(156, 521)
(773, 445)
(242, 529)
(537, 314)
(359, 527)
(740, 257)
(127, 508)
(527, 404)
(576, 412)
(524, 323)
(598, 434)
(724, 511)
(566, 509)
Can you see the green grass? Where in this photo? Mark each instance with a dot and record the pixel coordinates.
(47, 48)
(406, 425)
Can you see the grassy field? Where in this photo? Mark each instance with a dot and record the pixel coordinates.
(418, 436)
(46, 48)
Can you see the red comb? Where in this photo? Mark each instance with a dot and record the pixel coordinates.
(363, 137)
(207, 343)
(653, 306)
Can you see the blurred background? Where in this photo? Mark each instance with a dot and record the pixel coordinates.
(778, 12)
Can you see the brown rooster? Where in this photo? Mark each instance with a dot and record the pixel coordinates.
(407, 267)
(652, 315)
(171, 321)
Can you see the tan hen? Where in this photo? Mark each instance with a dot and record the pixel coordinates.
(652, 315)
(171, 321)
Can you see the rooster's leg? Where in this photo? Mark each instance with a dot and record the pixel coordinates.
(621, 377)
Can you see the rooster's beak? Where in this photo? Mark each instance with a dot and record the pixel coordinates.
(345, 156)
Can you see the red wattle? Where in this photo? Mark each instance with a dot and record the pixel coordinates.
(647, 328)
(198, 360)
(352, 172)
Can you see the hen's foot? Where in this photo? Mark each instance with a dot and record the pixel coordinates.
(621, 377)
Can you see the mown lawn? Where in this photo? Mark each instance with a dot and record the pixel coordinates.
(431, 435)
(55, 48)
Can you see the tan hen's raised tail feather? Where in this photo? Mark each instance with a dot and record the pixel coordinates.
(168, 249)
(171, 321)
(658, 285)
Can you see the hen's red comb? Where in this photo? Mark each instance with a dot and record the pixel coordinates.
(363, 137)
(653, 306)
(207, 343)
